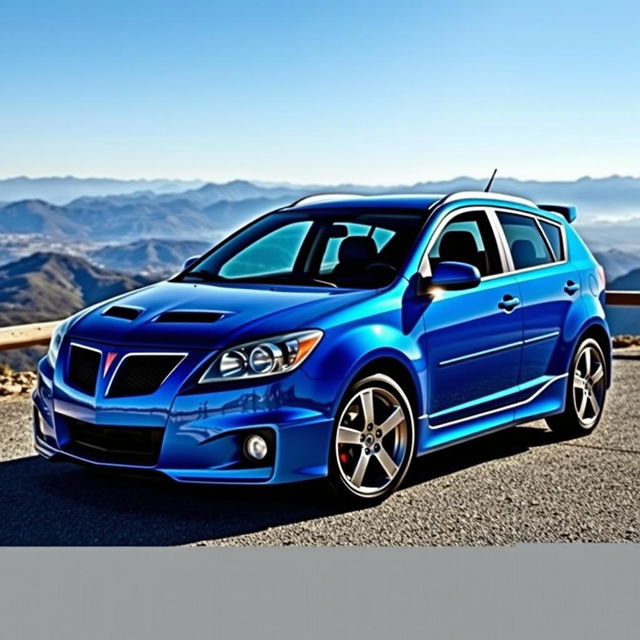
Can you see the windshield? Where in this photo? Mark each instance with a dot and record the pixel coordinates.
(363, 250)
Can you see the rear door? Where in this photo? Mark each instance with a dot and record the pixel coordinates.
(549, 286)
(474, 336)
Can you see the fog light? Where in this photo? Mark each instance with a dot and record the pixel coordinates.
(255, 447)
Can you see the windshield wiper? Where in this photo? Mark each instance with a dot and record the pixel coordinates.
(291, 278)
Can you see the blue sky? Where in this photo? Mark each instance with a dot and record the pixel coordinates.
(326, 92)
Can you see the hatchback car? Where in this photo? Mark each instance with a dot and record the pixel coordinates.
(338, 337)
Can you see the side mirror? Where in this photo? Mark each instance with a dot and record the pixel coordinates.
(454, 276)
(189, 261)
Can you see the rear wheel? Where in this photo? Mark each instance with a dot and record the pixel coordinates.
(586, 392)
(373, 440)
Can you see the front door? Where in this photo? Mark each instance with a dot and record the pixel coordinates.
(474, 336)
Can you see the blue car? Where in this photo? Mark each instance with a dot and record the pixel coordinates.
(337, 338)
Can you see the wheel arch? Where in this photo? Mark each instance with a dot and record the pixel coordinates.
(397, 371)
(598, 333)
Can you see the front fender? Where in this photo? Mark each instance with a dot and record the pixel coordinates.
(347, 352)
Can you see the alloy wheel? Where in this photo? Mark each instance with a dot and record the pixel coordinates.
(589, 385)
(372, 440)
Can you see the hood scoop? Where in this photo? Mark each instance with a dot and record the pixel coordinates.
(125, 313)
(189, 316)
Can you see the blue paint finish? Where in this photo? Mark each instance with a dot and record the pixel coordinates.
(473, 367)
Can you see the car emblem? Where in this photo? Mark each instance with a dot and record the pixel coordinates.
(110, 357)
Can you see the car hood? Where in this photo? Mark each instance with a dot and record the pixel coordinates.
(246, 312)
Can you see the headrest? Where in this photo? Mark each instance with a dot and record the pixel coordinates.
(523, 253)
(458, 246)
(360, 249)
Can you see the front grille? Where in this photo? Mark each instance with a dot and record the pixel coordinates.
(117, 445)
(189, 316)
(82, 372)
(140, 375)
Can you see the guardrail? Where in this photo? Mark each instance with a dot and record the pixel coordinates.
(33, 335)
(26, 335)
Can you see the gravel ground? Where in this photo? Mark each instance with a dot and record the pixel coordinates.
(521, 485)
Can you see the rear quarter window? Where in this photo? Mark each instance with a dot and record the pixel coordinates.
(554, 235)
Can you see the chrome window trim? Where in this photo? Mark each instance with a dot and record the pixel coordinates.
(425, 267)
(536, 219)
(503, 246)
(146, 353)
(540, 220)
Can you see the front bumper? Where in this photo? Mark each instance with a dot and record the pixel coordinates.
(202, 434)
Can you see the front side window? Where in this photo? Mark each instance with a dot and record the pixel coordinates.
(468, 238)
(526, 243)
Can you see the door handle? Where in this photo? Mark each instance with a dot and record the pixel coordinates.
(509, 303)
(571, 287)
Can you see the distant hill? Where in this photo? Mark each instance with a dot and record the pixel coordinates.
(617, 263)
(627, 282)
(148, 256)
(121, 219)
(614, 196)
(37, 216)
(61, 190)
(46, 286)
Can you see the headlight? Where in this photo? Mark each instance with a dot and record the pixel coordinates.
(263, 358)
(56, 340)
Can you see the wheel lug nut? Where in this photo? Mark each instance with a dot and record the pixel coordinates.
(362, 438)
(378, 433)
(367, 451)
(369, 427)
(376, 448)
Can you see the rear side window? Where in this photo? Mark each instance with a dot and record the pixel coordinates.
(554, 236)
(526, 242)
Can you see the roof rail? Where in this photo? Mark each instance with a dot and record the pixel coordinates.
(321, 197)
(484, 195)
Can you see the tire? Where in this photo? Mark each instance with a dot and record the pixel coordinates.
(373, 441)
(586, 392)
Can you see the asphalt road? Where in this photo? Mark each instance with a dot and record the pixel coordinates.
(521, 485)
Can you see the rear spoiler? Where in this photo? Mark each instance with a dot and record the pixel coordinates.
(568, 213)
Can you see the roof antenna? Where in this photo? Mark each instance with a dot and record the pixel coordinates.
(493, 175)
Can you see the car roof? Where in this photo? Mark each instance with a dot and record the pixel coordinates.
(417, 202)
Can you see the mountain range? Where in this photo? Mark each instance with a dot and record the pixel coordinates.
(63, 189)
(155, 256)
(47, 286)
(210, 209)
(614, 195)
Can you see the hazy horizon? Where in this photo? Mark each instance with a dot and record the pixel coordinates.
(168, 178)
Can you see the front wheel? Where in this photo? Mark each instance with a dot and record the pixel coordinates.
(586, 392)
(373, 440)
